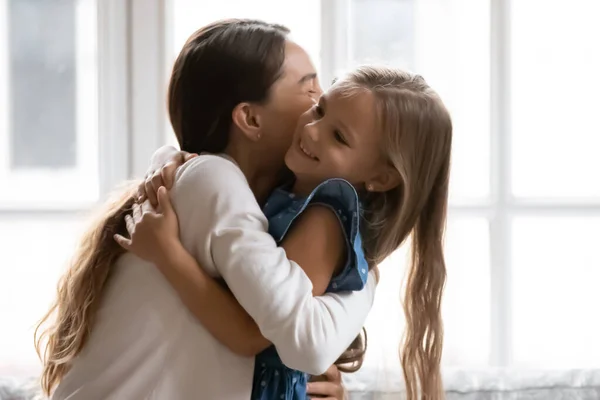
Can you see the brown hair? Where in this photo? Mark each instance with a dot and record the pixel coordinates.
(220, 66)
(353, 357)
(418, 141)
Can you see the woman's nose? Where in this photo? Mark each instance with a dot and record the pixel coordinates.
(316, 92)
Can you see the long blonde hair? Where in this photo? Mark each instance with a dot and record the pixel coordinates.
(418, 141)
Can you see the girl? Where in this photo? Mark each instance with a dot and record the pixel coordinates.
(371, 162)
(117, 330)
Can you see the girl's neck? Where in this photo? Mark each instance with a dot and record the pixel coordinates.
(303, 187)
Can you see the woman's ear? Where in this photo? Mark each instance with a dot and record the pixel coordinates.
(246, 118)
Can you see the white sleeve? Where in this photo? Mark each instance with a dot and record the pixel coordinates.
(310, 333)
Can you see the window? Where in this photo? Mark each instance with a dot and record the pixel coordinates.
(554, 136)
(515, 172)
(82, 87)
(303, 19)
(525, 196)
(552, 182)
(35, 249)
(50, 153)
(48, 113)
(448, 43)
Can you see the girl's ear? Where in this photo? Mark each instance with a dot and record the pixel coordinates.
(387, 179)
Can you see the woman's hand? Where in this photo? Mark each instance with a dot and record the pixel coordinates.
(162, 172)
(152, 233)
(328, 386)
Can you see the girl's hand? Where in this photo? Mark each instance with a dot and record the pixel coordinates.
(328, 386)
(162, 173)
(153, 234)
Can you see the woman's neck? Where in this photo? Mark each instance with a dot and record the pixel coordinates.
(262, 179)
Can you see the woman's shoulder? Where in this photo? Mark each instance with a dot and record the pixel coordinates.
(212, 167)
(213, 181)
(212, 174)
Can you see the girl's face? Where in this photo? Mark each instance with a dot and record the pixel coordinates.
(294, 92)
(338, 138)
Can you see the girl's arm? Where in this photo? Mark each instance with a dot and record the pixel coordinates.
(163, 164)
(221, 218)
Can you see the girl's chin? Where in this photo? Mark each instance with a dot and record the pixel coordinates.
(300, 164)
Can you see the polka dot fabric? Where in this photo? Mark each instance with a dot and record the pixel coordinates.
(272, 379)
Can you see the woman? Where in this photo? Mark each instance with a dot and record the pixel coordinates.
(237, 87)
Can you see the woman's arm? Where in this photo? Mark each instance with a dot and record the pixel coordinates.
(309, 332)
(213, 305)
(222, 225)
(317, 229)
(155, 238)
(225, 319)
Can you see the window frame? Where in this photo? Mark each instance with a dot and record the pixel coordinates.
(132, 124)
(502, 206)
(124, 124)
(42, 187)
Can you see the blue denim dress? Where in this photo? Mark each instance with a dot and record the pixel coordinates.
(272, 379)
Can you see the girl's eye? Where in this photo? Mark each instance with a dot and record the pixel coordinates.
(339, 137)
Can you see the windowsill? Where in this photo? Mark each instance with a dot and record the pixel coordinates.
(460, 384)
(490, 380)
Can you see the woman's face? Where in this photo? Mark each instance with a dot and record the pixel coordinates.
(293, 94)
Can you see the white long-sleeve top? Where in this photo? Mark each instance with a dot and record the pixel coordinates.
(146, 345)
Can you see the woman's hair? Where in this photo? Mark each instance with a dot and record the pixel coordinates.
(417, 143)
(220, 66)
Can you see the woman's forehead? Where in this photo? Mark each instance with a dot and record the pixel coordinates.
(297, 65)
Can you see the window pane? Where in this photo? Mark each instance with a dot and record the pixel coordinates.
(556, 270)
(302, 18)
(554, 95)
(467, 297)
(27, 282)
(42, 83)
(383, 30)
(48, 102)
(466, 306)
(446, 41)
